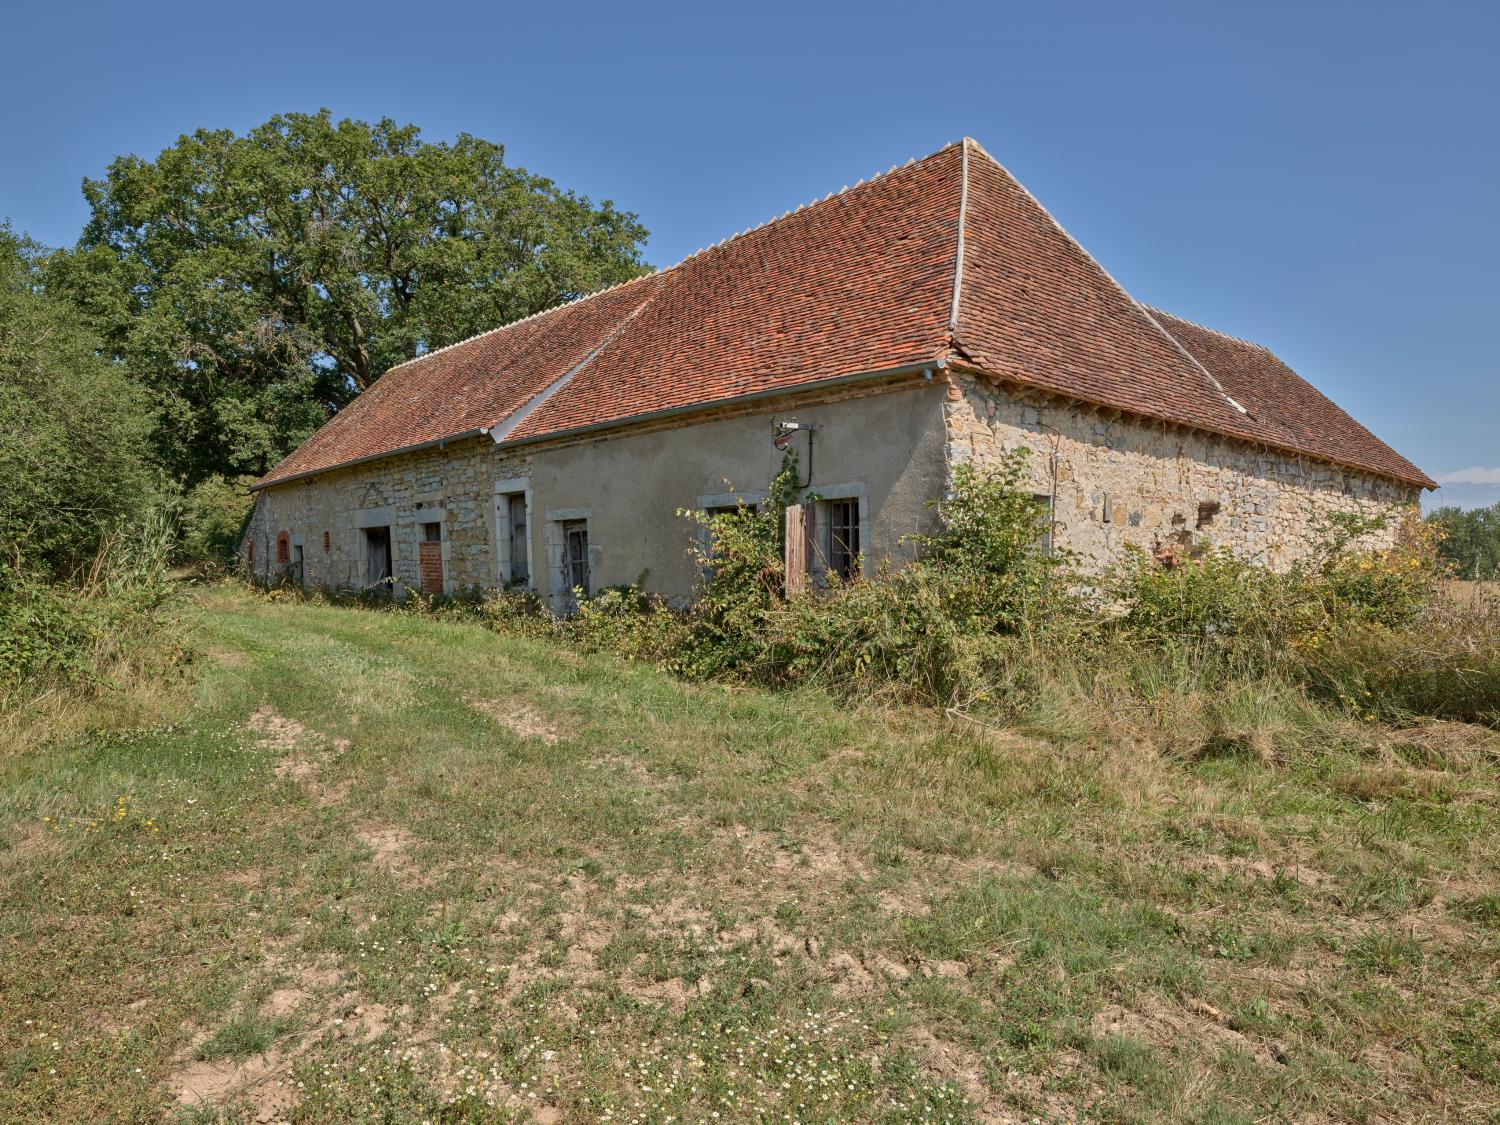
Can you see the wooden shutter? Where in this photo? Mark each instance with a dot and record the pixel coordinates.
(799, 531)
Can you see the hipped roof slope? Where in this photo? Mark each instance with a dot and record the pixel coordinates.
(945, 259)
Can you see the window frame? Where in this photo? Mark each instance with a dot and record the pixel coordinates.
(845, 538)
(504, 493)
(559, 586)
(1049, 515)
(857, 494)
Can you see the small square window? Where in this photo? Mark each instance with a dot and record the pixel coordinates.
(432, 532)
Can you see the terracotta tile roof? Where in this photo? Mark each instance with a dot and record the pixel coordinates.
(463, 388)
(1310, 422)
(945, 258)
(1035, 308)
(859, 282)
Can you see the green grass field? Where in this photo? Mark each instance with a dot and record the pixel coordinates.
(382, 868)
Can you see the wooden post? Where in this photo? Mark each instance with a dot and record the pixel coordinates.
(797, 527)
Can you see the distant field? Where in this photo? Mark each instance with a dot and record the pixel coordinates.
(1476, 593)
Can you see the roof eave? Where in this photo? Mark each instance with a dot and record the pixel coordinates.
(1422, 480)
(435, 443)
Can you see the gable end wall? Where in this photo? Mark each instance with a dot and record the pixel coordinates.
(1156, 476)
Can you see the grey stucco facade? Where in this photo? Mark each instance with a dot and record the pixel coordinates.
(881, 447)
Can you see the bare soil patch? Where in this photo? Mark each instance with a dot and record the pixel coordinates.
(277, 732)
(1166, 1026)
(263, 1082)
(1259, 868)
(390, 846)
(519, 718)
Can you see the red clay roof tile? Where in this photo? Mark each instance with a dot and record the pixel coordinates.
(858, 283)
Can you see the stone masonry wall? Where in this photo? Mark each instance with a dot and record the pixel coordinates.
(1122, 482)
(879, 442)
(453, 486)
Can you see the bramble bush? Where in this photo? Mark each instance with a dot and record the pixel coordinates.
(1214, 651)
(984, 618)
(106, 627)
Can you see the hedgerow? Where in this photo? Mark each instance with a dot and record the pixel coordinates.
(986, 621)
(988, 624)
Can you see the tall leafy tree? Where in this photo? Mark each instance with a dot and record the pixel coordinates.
(257, 283)
(1472, 540)
(72, 429)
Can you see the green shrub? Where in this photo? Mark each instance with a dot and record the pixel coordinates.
(214, 514)
(629, 624)
(1445, 665)
(741, 558)
(1392, 587)
(1215, 596)
(71, 429)
(107, 625)
(995, 575)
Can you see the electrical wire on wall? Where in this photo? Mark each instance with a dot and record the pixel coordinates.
(1052, 498)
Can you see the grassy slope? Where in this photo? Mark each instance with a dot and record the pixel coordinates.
(385, 868)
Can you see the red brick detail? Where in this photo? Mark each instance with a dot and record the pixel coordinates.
(430, 567)
(325, 543)
(283, 549)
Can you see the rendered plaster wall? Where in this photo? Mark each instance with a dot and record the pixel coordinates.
(882, 446)
(1156, 478)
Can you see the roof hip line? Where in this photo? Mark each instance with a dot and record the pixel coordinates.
(499, 429)
(958, 256)
(1171, 340)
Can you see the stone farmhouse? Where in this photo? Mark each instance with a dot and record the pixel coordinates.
(933, 315)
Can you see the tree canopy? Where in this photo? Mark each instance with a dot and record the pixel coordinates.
(72, 428)
(1472, 542)
(255, 284)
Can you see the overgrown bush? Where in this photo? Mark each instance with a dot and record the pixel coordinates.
(1445, 665)
(71, 430)
(106, 627)
(741, 558)
(1391, 587)
(214, 514)
(1216, 596)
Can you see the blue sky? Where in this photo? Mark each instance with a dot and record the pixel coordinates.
(1320, 177)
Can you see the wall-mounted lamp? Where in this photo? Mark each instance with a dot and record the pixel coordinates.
(781, 436)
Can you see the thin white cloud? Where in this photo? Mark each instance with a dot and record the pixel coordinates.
(1474, 475)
